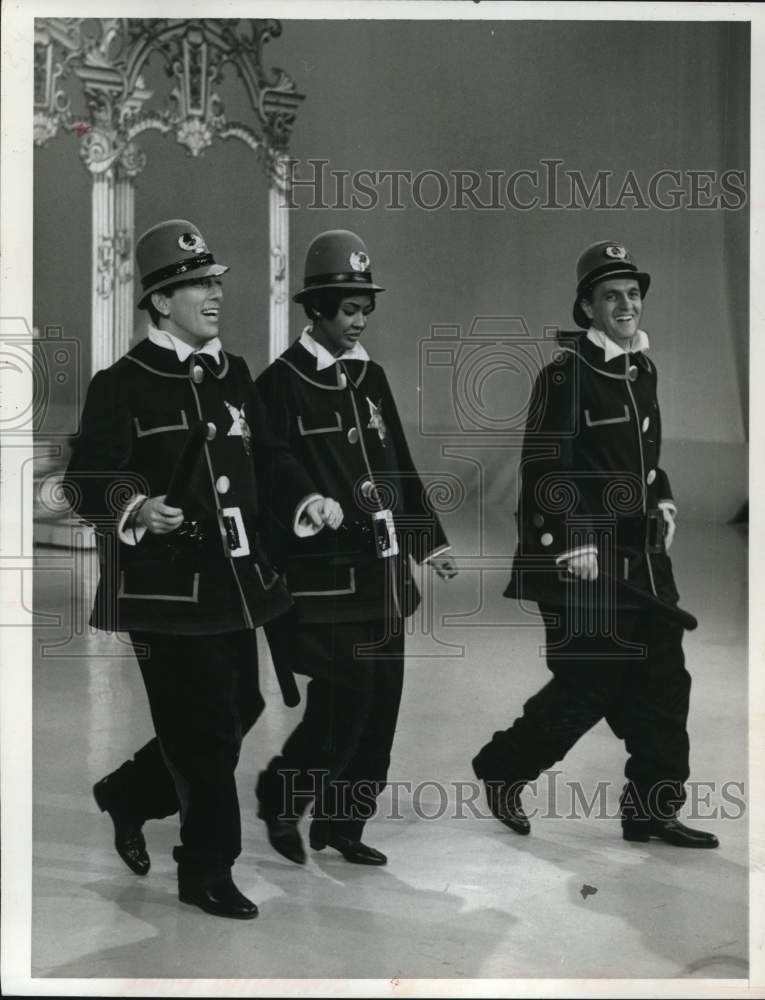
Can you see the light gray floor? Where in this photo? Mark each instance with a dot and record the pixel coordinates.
(461, 896)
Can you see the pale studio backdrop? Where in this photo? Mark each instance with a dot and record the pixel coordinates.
(483, 97)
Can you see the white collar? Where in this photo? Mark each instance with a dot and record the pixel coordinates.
(164, 339)
(611, 349)
(323, 358)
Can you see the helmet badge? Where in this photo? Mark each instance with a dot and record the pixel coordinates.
(359, 261)
(617, 252)
(192, 243)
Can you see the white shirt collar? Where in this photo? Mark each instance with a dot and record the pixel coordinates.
(323, 358)
(164, 339)
(611, 349)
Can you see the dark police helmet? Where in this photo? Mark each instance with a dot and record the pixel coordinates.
(337, 259)
(606, 259)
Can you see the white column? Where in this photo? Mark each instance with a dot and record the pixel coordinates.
(124, 225)
(279, 256)
(102, 272)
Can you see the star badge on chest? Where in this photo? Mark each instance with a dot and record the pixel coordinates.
(376, 421)
(239, 426)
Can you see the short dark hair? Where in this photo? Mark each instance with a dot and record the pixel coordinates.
(154, 314)
(326, 302)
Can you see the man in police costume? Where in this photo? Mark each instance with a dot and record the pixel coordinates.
(334, 406)
(189, 581)
(595, 517)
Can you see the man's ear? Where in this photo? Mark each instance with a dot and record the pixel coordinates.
(161, 303)
(587, 307)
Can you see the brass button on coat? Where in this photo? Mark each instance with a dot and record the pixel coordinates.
(632, 374)
(197, 374)
(646, 424)
(223, 484)
(353, 435)
(651, 477)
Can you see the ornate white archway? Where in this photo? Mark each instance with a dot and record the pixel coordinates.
(107, 56)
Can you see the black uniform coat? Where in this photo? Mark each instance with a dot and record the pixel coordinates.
(590, 474)
(136, 418)
(342, 424)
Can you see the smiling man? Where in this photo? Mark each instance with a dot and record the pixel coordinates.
(188, 580)
(596, 513)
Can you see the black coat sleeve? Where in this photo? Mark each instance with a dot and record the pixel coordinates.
(98, 480)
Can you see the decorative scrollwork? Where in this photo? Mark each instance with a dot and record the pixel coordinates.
(45, 127)
(109, 55)
(98, 150)
(123, 256)
(105, 267)
(56, 496)
(132, 159)
(119, 493)
(235, 130)
(278, 274)
(624, 495)
(51, 104)
(382, 494)
(554, 494)
(113, 262)
(445, 494)
(196, 134)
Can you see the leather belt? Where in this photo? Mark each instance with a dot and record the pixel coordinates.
(363, 538)
(197, 538)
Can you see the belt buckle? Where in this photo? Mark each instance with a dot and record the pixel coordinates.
(235, 539)
(384, 530)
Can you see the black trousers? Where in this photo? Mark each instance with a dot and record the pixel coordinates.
(643, 696)
(338, 756)
(204, 696)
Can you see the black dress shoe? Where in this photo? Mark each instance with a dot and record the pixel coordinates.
(284, 837)
(219, 897)
(504, 800)
(672, 831)
(352, 850)
(505, 804)
(128, 837)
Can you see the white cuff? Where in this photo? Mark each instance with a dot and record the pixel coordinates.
(668, 505)
(133, 534)
(583, 550)
(306, 530)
